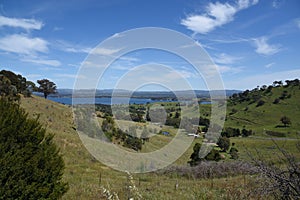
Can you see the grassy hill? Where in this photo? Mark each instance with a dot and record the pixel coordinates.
(261, 110)
(87, 177)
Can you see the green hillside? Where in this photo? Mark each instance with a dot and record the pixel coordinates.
(262, 108)
(87, 177)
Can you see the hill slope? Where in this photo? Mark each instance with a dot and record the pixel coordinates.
(82, 170)
(261, 109)
(86, 176)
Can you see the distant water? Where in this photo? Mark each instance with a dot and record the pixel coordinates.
(104, 100)
(108, 100)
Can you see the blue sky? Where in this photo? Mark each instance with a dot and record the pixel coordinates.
(252, 42)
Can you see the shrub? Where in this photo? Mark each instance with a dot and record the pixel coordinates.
(260, 103)
(276, 101)
(30, 164)
(224, 143)
(231, 132)
(285, 120)
(233, 153)
(214, 155)
(246, 133)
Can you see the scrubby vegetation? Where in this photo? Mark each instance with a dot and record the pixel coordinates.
(30, 164)
(281, 182)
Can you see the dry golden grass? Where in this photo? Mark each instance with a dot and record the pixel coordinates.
(87, 177)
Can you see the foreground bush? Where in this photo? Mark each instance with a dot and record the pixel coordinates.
(30, 164)
(282, 182)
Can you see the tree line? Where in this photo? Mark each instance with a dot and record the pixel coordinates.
(31, 166)
(12, 85)
(256, 94)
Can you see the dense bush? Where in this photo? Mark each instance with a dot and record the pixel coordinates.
(246, 133)
(129, 140)
(213, 155)
(30, 164)
(224, 143)
(17, 83)
(231, 132)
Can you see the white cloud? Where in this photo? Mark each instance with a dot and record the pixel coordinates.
(54, 63)
(228, 69)
(269, 65)
(20, 23)
(68, 47)
(216, 15)
(74, 65)
(225, 59)
(129, 59)
(22, 44)
(77, 50)
(263, 48)
(104, 51)
(87, 50)
(185, 73)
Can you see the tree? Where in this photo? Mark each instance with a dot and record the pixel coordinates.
(213, 155)
(276, 101)
(224, 143)
(285, 120)
(246, 133)
(7, 90)
(195, 160)
(260, 103)
(47, 87)
(18, 82)
(30, 164)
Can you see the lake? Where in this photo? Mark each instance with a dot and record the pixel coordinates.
(107, 100)
(104, 100)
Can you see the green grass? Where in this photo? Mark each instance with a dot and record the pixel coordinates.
(267, 116)
(83, 172)
(265, 147)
